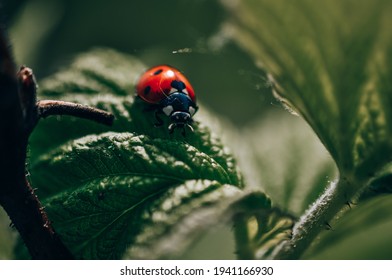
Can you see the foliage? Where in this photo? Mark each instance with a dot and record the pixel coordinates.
(328, 61)
(315, 186)
(112, 193)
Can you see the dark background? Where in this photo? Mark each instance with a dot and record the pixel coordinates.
(47, 33)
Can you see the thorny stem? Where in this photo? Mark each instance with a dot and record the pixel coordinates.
(318, 217)
(18, 118)
(19, 114)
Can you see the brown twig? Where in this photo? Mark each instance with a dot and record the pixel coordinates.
(54, 107)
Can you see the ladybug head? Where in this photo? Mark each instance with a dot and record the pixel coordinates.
(180, 109)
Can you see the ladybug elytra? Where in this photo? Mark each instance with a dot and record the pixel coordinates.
(167, 89)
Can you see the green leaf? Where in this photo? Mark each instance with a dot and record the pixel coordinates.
(96, 72)
(102, 78)
(150, 220)
(380, 184)
(106, 182)
(130, 113)
(332, 67)
(126, 155)
(7, 237)
(259, 233)
(284, 156)
(363, 233)
(99, 221)
(175, 225)
(106, 188)
(330, 62)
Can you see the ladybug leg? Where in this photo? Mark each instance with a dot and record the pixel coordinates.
(184, 129)
(159, 120)
(190, 127)
(171, 128)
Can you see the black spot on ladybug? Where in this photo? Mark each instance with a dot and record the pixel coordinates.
(178, 85)
(147, 90)
(159, 71)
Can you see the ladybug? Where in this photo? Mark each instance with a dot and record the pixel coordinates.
(166, 89)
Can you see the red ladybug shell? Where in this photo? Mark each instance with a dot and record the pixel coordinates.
(157, 83)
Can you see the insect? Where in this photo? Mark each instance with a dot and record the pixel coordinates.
(170, 93)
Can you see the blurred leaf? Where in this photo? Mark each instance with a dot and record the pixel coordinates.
(45, 16)
(82, 26)
(363, 233)
(381, 184)
(216, 244)
(7, 237)
(284, 156)
(273, 228)
(96, 72)
(260, 232)
(331, 61)
(174, 226)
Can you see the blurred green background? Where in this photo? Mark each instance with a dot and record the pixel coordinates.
(47, 33)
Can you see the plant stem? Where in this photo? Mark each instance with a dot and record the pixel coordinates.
(19, 114)
(318, 217)
(241, 235)
(55, 107)
(29, 218)
(18, 117)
